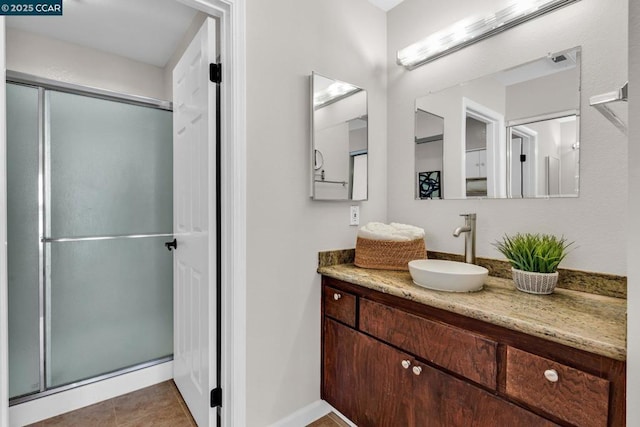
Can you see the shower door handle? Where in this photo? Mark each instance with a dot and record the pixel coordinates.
(173, 244)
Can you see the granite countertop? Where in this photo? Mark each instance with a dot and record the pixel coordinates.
(585, 321)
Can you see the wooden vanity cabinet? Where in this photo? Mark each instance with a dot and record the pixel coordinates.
(387, 361)
(364, 378)
(375, 384)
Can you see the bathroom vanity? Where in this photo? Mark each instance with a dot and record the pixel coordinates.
(394, 354)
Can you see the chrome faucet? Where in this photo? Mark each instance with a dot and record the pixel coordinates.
(469, 228)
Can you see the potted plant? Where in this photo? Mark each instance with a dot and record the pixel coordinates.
(534, 260)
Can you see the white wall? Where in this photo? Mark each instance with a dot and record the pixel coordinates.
(428, 158)
(333, 143)
(286, 41)
(428, 125)
(531, 98)
(569, 157)
(71, 63)
(357, 136)
(595, 220)
(633, 234)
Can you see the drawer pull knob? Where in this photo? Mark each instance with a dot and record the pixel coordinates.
(337, 296)
(406, 364)
(417, 370)
(551, 375)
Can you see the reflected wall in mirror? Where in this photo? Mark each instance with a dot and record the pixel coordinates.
(511, 134)
(339, 140)
(429, 140)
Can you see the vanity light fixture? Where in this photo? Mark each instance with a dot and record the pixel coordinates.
(470, 31)
(336, 91)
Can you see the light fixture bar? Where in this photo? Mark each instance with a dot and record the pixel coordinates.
(336, 91)
(466, 32)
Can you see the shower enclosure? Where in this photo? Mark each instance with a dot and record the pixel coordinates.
(90, 206)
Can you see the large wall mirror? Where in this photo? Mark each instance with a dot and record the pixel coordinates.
(339, 140)
(511, 134)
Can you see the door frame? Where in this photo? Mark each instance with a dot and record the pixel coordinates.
(530, 141)
(496, 145)
(231, 15)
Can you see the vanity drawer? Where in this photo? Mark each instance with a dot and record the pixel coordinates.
(568, 393)
(340, 305)
(454, 349)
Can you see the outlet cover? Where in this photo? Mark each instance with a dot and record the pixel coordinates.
(355, 215)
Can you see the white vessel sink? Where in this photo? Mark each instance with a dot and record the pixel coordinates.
(450, 276)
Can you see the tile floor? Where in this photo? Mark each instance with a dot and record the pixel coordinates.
(159, 406)
(329, 420)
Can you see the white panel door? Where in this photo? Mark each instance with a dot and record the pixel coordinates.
(194, 133)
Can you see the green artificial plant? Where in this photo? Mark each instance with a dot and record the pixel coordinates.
(539, 253)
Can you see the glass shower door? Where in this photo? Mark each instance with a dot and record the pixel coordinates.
(23, 239)
(109, 283)
(109, 278)
(90, 206)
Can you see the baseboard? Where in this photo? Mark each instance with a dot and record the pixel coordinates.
(59, 403)
(309, 414)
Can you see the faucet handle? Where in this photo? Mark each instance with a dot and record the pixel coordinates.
(469, 215)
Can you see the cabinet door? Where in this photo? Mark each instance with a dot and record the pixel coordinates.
(472, 165)
(442, 400)
(482, 163)
(476, 164)
(365, 379)
(573, 395)
(456, 350)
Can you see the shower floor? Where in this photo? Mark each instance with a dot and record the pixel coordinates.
(159, 406)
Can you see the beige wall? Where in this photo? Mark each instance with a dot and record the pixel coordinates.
(633, 234)
(286, 41)
(71, 63)
(596, 220)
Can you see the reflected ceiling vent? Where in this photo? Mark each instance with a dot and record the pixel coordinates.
(552, 63)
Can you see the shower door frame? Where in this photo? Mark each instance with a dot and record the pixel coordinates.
(44, 201)
(232, 18)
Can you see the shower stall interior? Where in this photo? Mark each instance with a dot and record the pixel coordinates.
(90, 206)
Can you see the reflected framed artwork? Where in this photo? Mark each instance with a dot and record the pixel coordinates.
(429, 185)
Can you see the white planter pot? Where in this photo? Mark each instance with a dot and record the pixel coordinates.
(535, 283)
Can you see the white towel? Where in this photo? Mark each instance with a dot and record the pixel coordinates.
(393, 232)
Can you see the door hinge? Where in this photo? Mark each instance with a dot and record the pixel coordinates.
(216, 397)
(523, 157)
(215, 73)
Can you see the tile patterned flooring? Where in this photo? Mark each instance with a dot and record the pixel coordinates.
(329, 420)
(159, 406)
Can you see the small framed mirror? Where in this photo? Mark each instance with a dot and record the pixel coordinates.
(339, 140)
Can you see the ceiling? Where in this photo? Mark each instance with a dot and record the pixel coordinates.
(148, 31)
(386, 5)
(144, 30)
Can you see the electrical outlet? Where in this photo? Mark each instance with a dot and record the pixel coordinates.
(355, 215)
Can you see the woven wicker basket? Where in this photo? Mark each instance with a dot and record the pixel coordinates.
(385, 255)
(535, 283)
